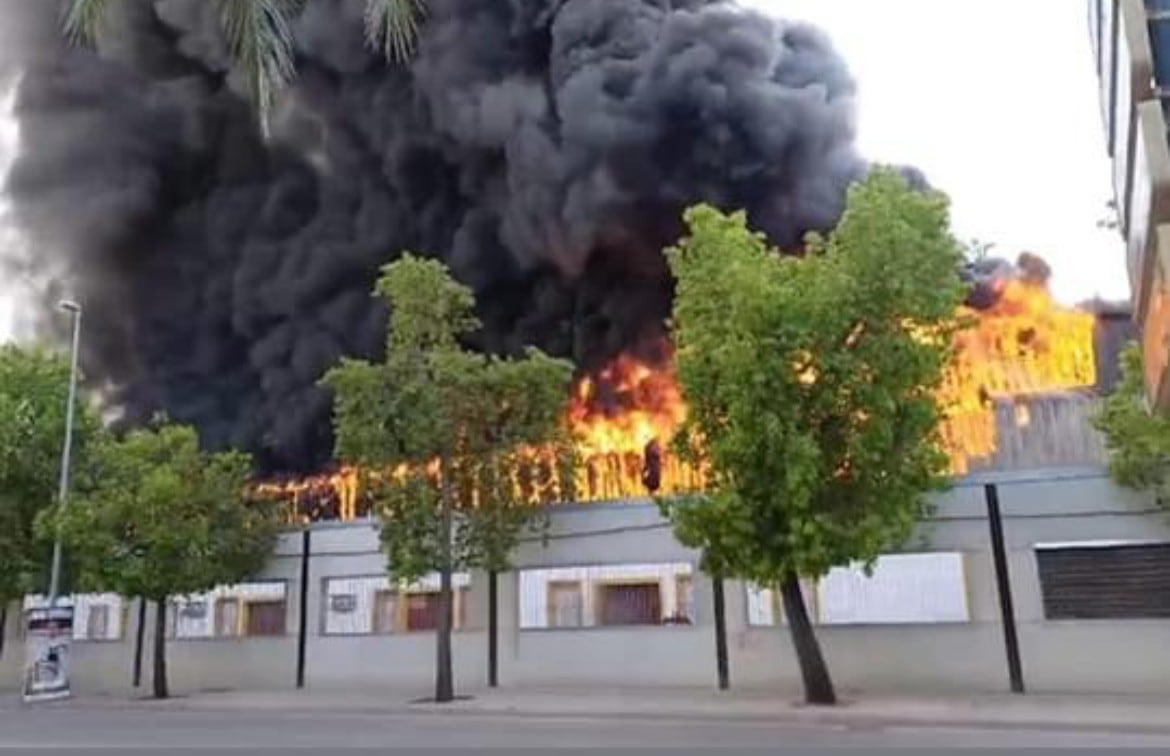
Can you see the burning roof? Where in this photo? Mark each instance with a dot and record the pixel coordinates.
(1018, 396)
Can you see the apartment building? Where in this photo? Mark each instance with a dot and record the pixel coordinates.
(1131, 47)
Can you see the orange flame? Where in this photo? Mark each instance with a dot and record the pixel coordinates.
(1024, 344)
(626, 414)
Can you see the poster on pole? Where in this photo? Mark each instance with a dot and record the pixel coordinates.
(46, 671)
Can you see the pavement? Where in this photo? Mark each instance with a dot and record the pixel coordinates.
(582, 717)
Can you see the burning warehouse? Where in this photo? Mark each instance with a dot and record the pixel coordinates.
(1019, 396)
(544, 150)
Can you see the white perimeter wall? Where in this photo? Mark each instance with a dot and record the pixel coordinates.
(1068, 656)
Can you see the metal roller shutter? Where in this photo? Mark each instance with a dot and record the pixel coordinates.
(1105, 582)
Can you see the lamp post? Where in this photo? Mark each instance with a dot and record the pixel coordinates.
(66, 452)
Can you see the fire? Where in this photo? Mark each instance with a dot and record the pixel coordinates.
(625, 415)
(1024, 344)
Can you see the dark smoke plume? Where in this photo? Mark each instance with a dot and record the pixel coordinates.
(543, 148)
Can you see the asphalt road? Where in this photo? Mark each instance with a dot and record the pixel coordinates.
(168, 729)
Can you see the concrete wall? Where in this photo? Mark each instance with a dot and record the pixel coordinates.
(1101, 656)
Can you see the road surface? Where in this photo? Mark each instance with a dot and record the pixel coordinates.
(167, 728)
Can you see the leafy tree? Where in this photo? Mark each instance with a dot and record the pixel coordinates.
(259, 35)
(458, 445)
(810, 386)
(165, 519)
(34, 392)
(1137, 440)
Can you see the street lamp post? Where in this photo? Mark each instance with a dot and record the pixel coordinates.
(66, 452)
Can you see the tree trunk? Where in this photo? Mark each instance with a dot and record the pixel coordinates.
(444, 674)
(160, 650)
(720, 633)
(818, 687)
(493, 630)
(3, 624)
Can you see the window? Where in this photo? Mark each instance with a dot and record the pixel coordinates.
(96, 616)
(227, 617)
(903, 589)
(564, 604)
(608, 595)
(97, 623)
(371, 605)
(246, 610)
(684, 602)
(384, 609)
(1105, 580)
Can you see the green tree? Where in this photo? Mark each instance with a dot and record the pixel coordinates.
(460, 445)
(1137, 440)
(165, 519)
(259, 35)
(34, 391)
(810, 383)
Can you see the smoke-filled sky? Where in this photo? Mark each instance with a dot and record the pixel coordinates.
(1012, 134)
(996, 101)
(543, 149)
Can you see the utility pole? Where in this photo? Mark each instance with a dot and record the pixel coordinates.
(63, 487)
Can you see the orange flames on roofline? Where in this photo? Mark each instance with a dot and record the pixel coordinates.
(623, 416)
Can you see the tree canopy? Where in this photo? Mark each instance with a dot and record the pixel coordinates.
(458, 447)
(1137, 440)
(34, 391)
(810, 384)
(164, 519)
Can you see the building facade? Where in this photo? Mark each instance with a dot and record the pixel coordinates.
(612, 599)
(1131, 45)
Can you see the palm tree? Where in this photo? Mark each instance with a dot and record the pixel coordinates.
(259, 35)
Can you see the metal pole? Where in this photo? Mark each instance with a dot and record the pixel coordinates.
(139, 639)
(1004, 584)
(720, 633)
(63, 488)
(303, 619)
(493, 630)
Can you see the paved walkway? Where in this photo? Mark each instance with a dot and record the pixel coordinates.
(1107, 713)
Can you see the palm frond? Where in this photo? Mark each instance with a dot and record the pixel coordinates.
(259, 35)
(392, 26)
(82, 20)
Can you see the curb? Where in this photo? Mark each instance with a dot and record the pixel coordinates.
(789, 714)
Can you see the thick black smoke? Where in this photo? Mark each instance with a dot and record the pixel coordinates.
(543, 148)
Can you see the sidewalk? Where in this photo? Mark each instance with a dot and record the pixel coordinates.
(1083, 712)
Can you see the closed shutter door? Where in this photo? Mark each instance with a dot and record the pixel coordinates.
(422, 611)
(266, 618)
(636, 604)
(1113, 582)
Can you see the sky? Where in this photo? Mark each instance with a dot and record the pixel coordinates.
(995, 100)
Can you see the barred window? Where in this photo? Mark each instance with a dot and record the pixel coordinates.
(96, 616)
(902, 589)
(372, 605)
(606, 596)
(247, 610)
